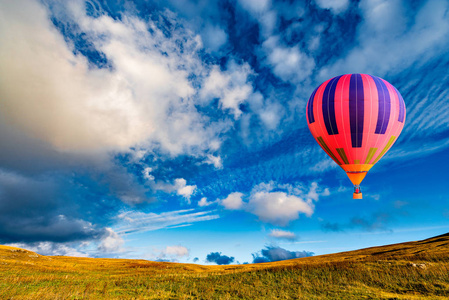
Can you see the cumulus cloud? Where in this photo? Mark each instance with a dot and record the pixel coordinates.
(111, 242)
(283, 235)
(135, 221)
(145, 97)
(233, 201)
(277, 204)
(282, 206)
(147, 174)
(183, 189)
(273, 253)
(216, 257)
(63, 96)
(278, 207)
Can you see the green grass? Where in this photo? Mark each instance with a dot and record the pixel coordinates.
(414, 270)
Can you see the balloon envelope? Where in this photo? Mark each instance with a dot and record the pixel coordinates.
(356, 118)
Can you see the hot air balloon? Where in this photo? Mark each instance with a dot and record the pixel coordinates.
(356, 118)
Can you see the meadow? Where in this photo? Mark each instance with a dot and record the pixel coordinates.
(413, 270)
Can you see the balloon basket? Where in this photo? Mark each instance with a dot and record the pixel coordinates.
(357, 196)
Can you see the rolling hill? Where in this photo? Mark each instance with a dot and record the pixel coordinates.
(412, 270)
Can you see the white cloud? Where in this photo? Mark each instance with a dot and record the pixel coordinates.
(278, 207)
(214, 160)
(147, 174)
(64, 103)
(231, 87)
(180, 186)
(203, 202)
(183, 189)
(111, 242)
(282, 234)
(134, 221)
(315, 192)
(168, 254)
(144, 98)
(277, 204)
(51, 248)
(177, 251)
(337, 6)
(233, 201)
(288, 63)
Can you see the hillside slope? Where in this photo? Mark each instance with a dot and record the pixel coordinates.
(412, 270)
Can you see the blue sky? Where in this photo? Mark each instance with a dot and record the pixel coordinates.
(176, 130)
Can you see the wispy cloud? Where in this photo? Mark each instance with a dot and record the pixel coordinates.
(283, 235)
(405, 44)
(135, 221)
(387, 43)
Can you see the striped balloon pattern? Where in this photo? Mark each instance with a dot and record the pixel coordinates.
(356, 118)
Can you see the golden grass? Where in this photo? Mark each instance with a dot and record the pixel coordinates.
(413, 270)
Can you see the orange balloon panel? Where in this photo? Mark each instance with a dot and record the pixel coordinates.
(356, 118)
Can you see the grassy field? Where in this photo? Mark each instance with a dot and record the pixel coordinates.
(413, 270)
